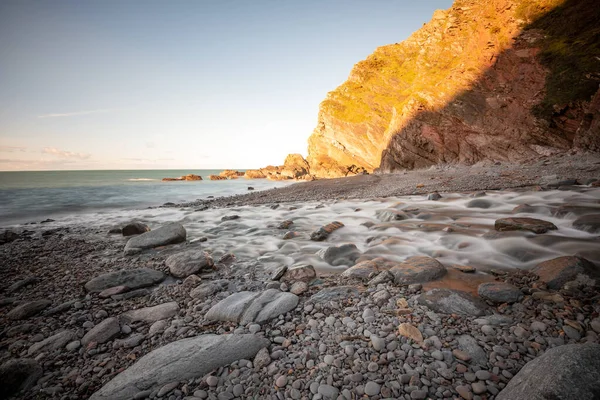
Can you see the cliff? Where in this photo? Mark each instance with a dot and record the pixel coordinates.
(493, 80)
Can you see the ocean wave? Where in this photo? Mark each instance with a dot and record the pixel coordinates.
(141, 179)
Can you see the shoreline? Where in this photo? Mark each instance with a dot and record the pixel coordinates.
(354, 334)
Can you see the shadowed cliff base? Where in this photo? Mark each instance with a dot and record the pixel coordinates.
(534, 100)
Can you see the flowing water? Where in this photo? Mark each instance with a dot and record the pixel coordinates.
(450, 229)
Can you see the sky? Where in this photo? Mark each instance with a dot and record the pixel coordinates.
(111, 84)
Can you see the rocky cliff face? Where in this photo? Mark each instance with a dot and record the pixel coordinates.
(493, 80)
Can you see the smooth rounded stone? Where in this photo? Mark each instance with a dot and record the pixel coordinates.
(435, 196)
(479, 203)
(469, 345)
(483, 375)
(417, 269)
(538, 326)
(186, 263)
(378, 343)
(523, 224)
(449, 301)
(569, 372)
(595, 325)
(298, 288)
(246, 307)
(364, 269)
(334, 294)
(179, 361)
(129, 342)
(135, 228)
(390, 214)
(571, 332)
(407, 330)
(488, 330)
(73, 345)
(208, 289)
(103, 332)
(328, 359)
(28, 309)
(589, 223)
(464, 392)
(152, 314)
(167, 388)
(131, 278)
(418, 394)
(52, 343)
(17, 375)
(328, 391)
(479, 387)
(349, 350)
(305, 273)
(500, 292)
(212, 381)
(254, 328)
(558, 271)
(113, 291)
(368, 315)
(262, 358)
(157, 327)
(372, 388)
(437, 355)
(323, 232)
(281, 381)
(345, 254)
(171, 233)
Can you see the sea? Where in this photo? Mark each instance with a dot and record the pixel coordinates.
(32, 196)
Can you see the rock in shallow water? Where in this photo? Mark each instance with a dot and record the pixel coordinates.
(524, 224)
(179, 361)
(323, 232)
(132, 278)
(246, 307)
(167, 234)
(500, 292)
(588, 223)
(134, 228)
(449, 301)
(345, 254)
(569, 372)
(417, 269)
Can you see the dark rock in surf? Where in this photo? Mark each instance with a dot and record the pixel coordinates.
(524, 224)
(135, 228)
(167, 234)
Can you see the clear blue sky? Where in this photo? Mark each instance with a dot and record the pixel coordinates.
(106, 84)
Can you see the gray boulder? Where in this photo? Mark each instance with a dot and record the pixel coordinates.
(558, 271)
(500, 292)
(103, 332)
(479, 203)
(27, 310)
(132, 278)
(246, 307)
(524, 224)
(18, 374)
(54, 342)
(417, 269)
(184, 264)
(569, 372)
(345, 254)
(180, 361)
(167, 234)
(152, 314)
(449, 301)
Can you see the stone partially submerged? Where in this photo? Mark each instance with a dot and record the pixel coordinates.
(417, 269)
(246, 307)
(558, 271)
(180, 361)
(569, 372)
(345, 254)
(524, 224)
(131, 278)
(167, 234)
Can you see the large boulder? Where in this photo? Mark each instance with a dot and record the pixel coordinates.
(131, 278)
(167, 234)
(18, 374)
(345, 254)
(295, 166)
(28, 309)
(417, 269)
(589, 223)
(184, 264)
(246, 307)
(499, 292)
(569, 372)
(449, 301)
(180, 361)
(524, 224)
(558, 271)
(364, 269)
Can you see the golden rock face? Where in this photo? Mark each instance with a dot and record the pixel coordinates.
(460, 89)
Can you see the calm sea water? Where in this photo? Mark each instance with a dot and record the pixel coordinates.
(33, 196)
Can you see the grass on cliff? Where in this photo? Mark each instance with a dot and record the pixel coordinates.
(571, 50)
